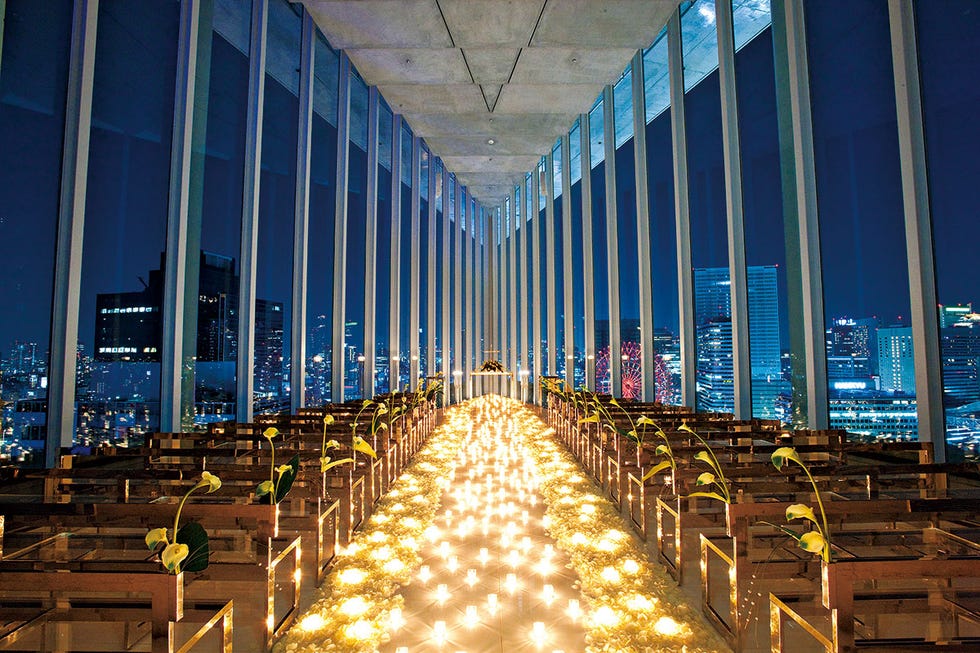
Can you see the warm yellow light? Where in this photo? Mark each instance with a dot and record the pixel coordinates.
(453, 564)
(579, 539)
(393, 566)
(351, 576)
(548, 595)
(640, 603)
(311, 623)
(425, 575)
(667, 626)
(610, 575)
(471, 579)
(538, 634)
(471, 618)
(484, 556)
(360, 629)
(511, 583)
(395, 619)
(631, 567)
(381, 553)
(492, 604)
(442, 593)
(354, 606)
(574, 611)
(605, 617)
(439, 632)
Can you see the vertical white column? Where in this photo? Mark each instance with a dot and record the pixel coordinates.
(741, 362)
(612, 240)
(645, 268)
(918, 227)
(588, 260)
(394, 277)
(682, 213)
(430, 320)
(415, 276)
(71, 229)
(250, 210)
(446, 260)
(800, 192)
(512, 277)
(371, 246)
(339, 353)
(175, 269)
(297, 366)
(536, 299)
(551, 299)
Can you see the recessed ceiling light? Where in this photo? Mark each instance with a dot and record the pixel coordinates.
(490, 141)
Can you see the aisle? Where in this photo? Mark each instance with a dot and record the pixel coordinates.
(493, 540)
(491, 579)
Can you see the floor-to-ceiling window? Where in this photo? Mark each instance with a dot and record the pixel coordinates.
(323, 206)
(600, 256)
(436, 325)
(626, 234)
(421, 259)
(578, 262)
(277, 196)
(118, 391)
(558, 263)
(382, 276)
(762, 206)
(218, 210)
(406, 259)
(870, 367)
(709, 225)
(663, 232)
(356, 244)
(33, 85)
(950, 84)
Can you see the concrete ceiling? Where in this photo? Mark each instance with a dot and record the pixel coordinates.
(465, 72)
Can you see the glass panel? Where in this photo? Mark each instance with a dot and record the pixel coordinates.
(544, 261)
(440, 245)
(406, 258)
(948, 52)
(33, 84)
(663, 233)
(382, 272)
(709, 227)
(421, 259)
(600, 258)
(320, 262)
(657, 83)
(273, 304)
(765, 248)
(118, 398)
(558, 263)
(354, 384)
(859, 192)
(623, 111)
(626, 233)
(219, 212)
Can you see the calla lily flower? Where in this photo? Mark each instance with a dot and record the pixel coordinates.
(328, 419)
(705, 478)
(264, 488)
(154, 537)
(173, 555)
(704, 457)
(382, 409)
(332, 444)
(270, 433)
(801, 511)
(782, 454)
(210, 481)
(643, 420)
(813, 542)
(282, 469)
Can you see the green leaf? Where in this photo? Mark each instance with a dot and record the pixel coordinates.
(656, 469)
(286, 479)
(326, 464)
(709, 495)
(264, 488)
(196, 538)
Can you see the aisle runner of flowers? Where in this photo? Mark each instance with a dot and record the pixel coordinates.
(634, 605)
(353, 607)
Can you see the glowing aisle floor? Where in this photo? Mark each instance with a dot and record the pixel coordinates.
(491, 579)
(494, 540)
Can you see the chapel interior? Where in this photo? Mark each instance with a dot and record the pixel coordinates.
(431, 326)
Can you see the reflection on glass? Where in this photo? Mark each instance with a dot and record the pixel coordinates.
(117, 393)
(33, 84)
